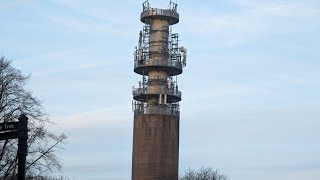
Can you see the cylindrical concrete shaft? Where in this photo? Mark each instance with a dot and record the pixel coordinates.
(157, 75)
(159, 32)
(155, 147)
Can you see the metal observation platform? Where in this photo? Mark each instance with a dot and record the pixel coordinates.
(169, 14)
(159, 59)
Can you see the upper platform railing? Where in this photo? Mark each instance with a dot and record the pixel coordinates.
(143, 108)
(172, 6)
(159, 90)
(141, 66)
(150, 13)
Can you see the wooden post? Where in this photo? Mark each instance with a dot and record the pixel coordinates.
(22, 146)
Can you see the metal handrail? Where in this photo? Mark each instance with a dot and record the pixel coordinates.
(157, 62)
(143, 108)
(172, 7)
(163, 90)
(155, 11)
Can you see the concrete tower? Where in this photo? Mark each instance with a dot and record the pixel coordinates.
(159, 59)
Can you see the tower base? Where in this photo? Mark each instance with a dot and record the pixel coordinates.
(155, 147)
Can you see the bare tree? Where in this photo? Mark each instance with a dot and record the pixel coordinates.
(203, 174)
(42, 143)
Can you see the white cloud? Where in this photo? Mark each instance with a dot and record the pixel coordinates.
(80, 25)
(311, 174)
(107, 116)
(293, 10)
(90, 27)
(299, 79)
(227, 90)
(105, 11)
(63, 61)
(14, 3)
(258, 21)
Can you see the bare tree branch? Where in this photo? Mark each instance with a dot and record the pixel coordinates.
(203, 174)
(14, 100)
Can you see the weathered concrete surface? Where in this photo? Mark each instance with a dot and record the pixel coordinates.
(155, 147)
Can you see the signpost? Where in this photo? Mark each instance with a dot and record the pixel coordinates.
(22, 146)
(17, 130)
(9, 135)
(9, 126)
